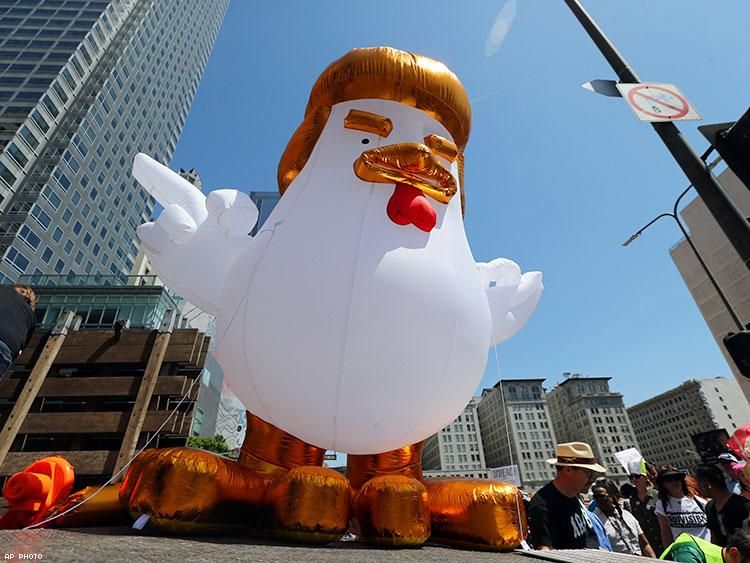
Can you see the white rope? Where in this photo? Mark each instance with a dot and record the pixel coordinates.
(124, 467)
(507, 429)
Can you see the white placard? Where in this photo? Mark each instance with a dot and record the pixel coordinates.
(507, 473)
(627, 456)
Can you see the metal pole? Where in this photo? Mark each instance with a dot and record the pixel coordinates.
(725, 212)
(711, 278)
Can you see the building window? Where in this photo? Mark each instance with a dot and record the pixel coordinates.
(41, 217)
(29, 237)
(50, 106)
(28, 137)
(62, 180)
(71, 161)
(6, 175)
(17, 260)
(51, 197)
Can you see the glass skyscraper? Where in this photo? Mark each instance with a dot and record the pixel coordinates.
(84, 86)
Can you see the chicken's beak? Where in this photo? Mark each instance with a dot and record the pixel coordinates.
(412, 164)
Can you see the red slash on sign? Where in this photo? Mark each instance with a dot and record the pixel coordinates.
(657, 102)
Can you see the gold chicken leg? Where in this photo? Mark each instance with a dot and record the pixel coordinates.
(278, 486)
(394, 506)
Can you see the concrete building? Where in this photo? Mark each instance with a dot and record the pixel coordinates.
(584, 409)
(518, 407)
(457, 448)
(724, 263)
(85, 86)
(664, 424)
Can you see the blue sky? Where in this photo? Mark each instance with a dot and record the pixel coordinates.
(556, 176)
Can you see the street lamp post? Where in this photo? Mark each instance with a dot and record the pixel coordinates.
(727, 215)
(712, 279)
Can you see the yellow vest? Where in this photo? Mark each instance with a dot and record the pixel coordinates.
(711, 552)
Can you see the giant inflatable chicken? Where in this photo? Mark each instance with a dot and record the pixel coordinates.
(355, 320)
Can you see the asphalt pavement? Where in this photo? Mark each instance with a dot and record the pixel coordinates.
(126, 544)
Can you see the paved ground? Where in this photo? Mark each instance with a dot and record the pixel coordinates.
(125, 544)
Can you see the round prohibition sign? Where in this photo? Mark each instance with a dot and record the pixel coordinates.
(675, 106)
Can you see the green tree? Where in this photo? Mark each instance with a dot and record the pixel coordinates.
(217, 444)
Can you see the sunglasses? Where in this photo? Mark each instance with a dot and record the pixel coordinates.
(601, 495)
(636, 477)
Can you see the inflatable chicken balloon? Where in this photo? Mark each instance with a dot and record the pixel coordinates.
(355, 320)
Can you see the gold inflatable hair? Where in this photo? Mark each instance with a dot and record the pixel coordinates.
(381, 73)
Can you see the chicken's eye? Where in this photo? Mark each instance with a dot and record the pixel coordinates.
(365, 141)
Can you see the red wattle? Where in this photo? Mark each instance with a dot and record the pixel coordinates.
(409, 206)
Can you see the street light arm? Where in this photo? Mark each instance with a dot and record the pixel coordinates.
(674, 215)
(639, 232)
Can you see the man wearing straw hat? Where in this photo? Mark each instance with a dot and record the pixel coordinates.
(557, 518)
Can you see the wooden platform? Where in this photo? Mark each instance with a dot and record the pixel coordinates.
(83, 407)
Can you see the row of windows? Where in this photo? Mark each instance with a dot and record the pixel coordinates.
(46, 11)
(35, 33)
(79, 157)
(77, 4)
(20, 261)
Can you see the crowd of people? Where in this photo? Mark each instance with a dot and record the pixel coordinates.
(662, 512)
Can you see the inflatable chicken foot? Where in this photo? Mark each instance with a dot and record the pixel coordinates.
(394, 506)
(278, 489)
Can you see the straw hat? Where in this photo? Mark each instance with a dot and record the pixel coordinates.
(576, 454)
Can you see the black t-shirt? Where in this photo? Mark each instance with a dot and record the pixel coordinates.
(645, 512)
(556, 521)
(733, 516)
(17, 320)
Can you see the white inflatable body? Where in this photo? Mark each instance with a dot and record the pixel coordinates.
(334, 323)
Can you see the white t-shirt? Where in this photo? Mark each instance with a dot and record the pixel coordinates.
(685, 515)
(623, 536)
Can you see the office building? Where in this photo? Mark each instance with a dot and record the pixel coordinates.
(515, 426)
(456, 450)
(724, 263)
(84, 86)
(584, 409)
(664, 424)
